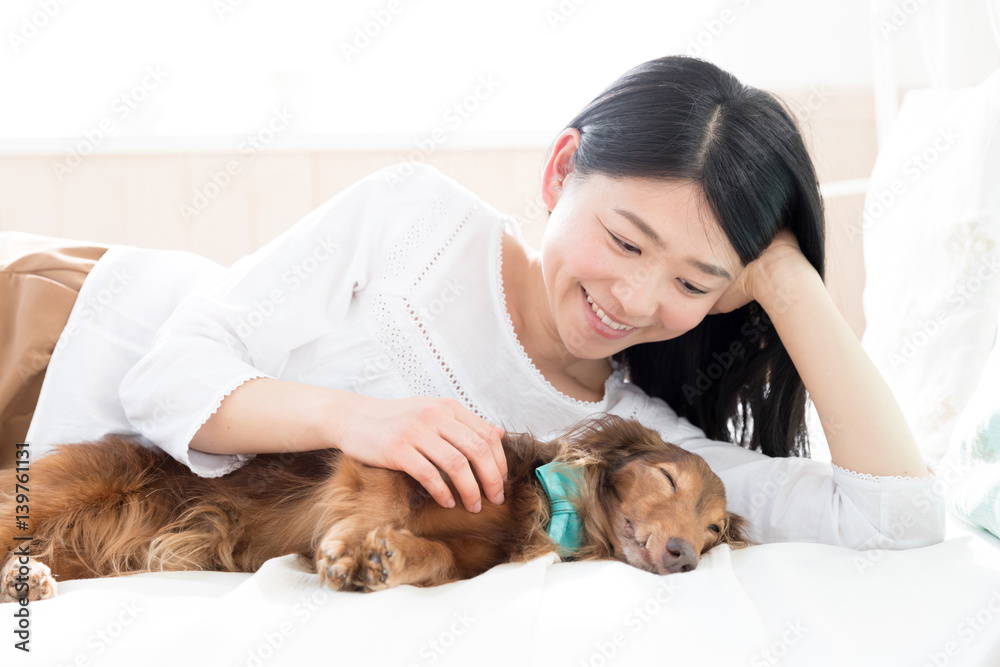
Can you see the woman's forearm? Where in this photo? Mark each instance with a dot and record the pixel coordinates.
(267, 415)
(864, 425)
(426, 437)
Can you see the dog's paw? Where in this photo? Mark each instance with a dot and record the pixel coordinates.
(382, 558)
(337, 564)
(41, 585)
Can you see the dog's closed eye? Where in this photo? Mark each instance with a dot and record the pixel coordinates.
(670, 477)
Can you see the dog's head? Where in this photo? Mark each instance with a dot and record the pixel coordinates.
(649, 503)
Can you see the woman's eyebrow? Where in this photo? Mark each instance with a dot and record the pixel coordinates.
(710, 269)
(641, 224)
(645, 228)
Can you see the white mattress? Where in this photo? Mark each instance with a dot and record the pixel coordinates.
(775, 604)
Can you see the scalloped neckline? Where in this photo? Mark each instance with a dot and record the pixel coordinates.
(512, 336)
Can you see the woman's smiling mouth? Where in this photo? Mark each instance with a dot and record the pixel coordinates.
(600, 321)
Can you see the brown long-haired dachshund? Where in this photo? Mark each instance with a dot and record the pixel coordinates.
(114, 507)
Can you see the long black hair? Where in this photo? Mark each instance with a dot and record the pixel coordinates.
(681, 118)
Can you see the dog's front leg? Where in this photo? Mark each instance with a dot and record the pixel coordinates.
(367, 545)
(356, 500)
(394, 557)
(25, 577)
(338, 558)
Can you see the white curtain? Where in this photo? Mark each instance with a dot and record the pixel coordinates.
(960, 41)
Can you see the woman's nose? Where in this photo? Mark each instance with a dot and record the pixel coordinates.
(638, 295)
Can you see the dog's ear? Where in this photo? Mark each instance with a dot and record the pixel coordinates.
(735, 534)
(611, 440)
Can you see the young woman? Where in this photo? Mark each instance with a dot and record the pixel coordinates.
(680, 282)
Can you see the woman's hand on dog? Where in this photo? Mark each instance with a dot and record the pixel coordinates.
(423, 436)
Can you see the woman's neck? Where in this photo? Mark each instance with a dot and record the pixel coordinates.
(535, 327)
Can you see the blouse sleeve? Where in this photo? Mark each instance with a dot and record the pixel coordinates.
(797, 499)
(290, 292)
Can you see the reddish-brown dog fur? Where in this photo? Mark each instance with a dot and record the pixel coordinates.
(113, 507)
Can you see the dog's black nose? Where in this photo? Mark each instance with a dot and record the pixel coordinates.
(679, 556)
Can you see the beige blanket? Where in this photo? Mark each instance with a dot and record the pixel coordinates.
(40, 277)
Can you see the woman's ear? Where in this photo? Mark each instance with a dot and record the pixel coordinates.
(735, 534)
(559, 165)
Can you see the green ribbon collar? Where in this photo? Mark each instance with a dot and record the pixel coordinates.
(560, 483)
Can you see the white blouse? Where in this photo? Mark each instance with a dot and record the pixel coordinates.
(392, 289)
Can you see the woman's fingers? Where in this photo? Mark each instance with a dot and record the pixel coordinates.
(417, 466)
(427, 438)
(483, 450)
(453, 462)
(492, 437)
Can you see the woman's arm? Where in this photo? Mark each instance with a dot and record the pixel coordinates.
(207, 391)
(416, 435)
(266, 415)
(864, 425)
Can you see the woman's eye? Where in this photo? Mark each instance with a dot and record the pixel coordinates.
(624, 246)
(691, 289)
(714, 528)
(629, 248)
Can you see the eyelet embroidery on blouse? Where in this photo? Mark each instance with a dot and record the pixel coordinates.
(414, 237)
(390, 332)
(877, 478)
(390, 327)
(524, 355)
(449, 373)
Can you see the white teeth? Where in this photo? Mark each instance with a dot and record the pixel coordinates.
(604, 318)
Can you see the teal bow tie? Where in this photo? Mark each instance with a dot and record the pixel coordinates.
(559, 483)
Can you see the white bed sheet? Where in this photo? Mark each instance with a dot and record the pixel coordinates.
(774, 604)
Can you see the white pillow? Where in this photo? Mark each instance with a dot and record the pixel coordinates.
(971, 470)
(932, 254)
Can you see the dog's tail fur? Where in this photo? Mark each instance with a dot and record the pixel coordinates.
(122, 508)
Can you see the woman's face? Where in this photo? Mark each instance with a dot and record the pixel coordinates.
(648, 253)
